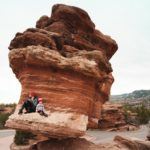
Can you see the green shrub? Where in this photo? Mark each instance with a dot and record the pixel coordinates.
(22, 137)
(13, 105)
(2, 107)
(143, 113)
(4, 114)
(3, 118)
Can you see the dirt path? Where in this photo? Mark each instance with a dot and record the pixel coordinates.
(6, 133)
(6, 139)
(5, 142)
(97, 136)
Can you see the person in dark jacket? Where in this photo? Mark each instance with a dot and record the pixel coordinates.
(29, 104)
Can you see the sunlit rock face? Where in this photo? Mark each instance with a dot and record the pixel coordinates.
(65, 60)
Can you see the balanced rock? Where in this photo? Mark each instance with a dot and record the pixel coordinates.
(65, 60)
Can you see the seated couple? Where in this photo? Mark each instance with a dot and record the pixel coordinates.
(33, 104)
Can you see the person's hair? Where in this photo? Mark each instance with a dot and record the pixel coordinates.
(31, 94)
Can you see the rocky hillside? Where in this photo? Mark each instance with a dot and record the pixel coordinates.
(135, 95)
(137, 98)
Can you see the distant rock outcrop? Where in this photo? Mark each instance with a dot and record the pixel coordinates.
(113, 118)
(134, 98)
(132, 143)
(65, 60)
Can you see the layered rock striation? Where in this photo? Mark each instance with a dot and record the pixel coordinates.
(112, 117)
(65, 60)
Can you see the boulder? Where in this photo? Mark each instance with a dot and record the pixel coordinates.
(112, 117)
(74, 27)
(64, 60)
(119, 143)
(68, 144)
(132, 143)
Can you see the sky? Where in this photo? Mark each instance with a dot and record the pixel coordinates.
(126, 21)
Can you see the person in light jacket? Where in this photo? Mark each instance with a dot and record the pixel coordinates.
(40, 108)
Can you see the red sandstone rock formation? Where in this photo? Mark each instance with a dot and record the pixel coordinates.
(65, 60)
(112, 116)
(119, 143)
(132, 143)
(68, 144)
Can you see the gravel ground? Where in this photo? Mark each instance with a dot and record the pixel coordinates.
(95, 136)
(6, 138)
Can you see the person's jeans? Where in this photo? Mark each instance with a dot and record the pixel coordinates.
(28, 106)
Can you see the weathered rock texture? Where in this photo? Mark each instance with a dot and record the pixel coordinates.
(58, 124)
(65, 60)
(112, 116)
(132, 143)
(119, 143)
(68, 144)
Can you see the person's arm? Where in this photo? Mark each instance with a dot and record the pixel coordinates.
(43, 108)
(37, 107)
(35, 101)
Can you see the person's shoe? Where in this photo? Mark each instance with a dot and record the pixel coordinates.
(20, 112)
(45, 115)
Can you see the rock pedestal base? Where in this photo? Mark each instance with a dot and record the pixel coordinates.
(58, 124)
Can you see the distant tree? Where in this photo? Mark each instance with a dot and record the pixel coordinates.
(143, 113)
(3, 118)
(5, 114)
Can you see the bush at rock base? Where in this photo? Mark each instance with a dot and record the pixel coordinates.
(5, 112)
(3, 118)
(22, 137)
